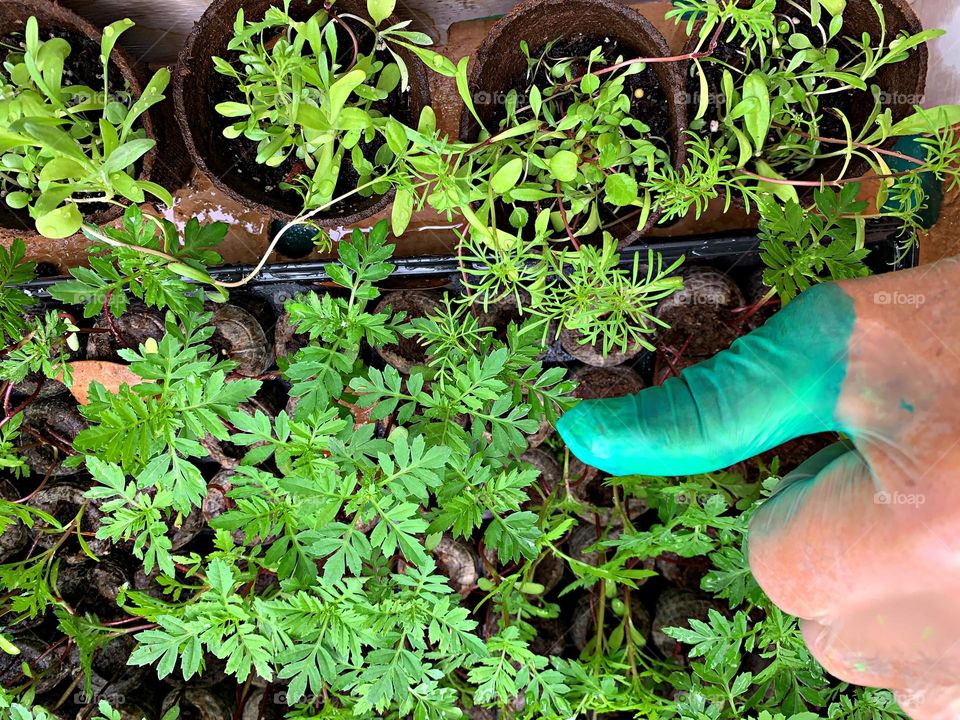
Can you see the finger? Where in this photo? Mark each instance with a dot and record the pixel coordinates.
(939, 703)
(777, 383)
(906, 640)
(830, 544)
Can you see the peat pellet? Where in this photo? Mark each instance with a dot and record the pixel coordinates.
(287, 341)
(239, 336)
(14, 536)
(697, 314)
(583, 627)
(407, 352)
(592, 354)
(550, 473)
(185, 529)
(265, 704)
(756, 291)
(602, 383)
(684, 573)
(47, 668)
(63, 500)
(459, 563)
(198, 703)
(675, 608)
(53, 425)
(91, 586)
(581, 542)
(549, 571)
(137, 325)
(550, 638)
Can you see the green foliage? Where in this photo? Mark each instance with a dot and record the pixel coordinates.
(153, 429)
(569, 147)
(802, 248)
(44, 348)
(310, 112)
(126, 267)
(63, 145)
(14, 302)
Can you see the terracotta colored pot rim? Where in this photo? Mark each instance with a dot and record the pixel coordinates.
(536, 19)
(13, 18)
(209, 38)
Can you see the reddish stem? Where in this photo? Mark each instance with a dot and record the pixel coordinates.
(563, 216)
(108, 316)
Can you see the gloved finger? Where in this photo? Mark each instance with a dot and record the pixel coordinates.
(777, 383)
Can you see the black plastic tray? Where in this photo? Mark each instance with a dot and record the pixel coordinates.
(727, 251)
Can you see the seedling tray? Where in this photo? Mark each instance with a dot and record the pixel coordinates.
(731, 251)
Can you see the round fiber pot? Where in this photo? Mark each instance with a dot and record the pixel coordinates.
(902, 84)
(198, 87)
(499, 64)
(84, 40)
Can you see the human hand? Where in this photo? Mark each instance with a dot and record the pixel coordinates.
(862, 541)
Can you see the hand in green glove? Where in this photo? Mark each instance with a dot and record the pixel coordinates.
(862, 541)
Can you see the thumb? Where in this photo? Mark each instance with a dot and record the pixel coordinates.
(940, 703)
(775, 384)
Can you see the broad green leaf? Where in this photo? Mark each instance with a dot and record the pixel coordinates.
(112, 33)
(380, 10)
(401, 211)
(563, 166)
(928, 121)
(757, 120)
(340, 91)
(232, 109)
(60, 223)
(507, 176)
(127, 154)
(620, 189)
(787, 193)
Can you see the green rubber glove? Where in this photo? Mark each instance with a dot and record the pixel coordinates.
(862, 542)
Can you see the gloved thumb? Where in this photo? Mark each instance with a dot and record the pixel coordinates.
(775, 384)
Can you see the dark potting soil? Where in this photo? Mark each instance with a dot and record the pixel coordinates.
(648, 102)
(224, 89)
